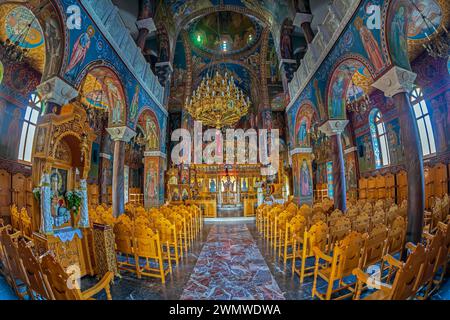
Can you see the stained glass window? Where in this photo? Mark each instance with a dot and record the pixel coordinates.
(379, 139)
(29, 127)
(420, 108)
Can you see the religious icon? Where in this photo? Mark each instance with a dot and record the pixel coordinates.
(305, 180)
(212, 185)
(135, 103)
(302, 132)
(370, 44)
(80, 49)
(397, 38)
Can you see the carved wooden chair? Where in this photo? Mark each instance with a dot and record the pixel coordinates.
(334, 217)
(15, 218)
(169, 240)
(375, 244)
(63, 287)
(123, 234)
(32, 269)
(345, 257)
(391, 214)
(362, 223)
(148, 247)
(25, 224)
(318, 216)
(407, 277)
(12, 264)
(396, 238)
(295, 229)
(280, 231)
(339, 230)
(433, 251)
(379, 217)
(315, 237)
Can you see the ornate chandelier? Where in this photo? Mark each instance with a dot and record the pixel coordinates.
(437, 47)
(217, 102)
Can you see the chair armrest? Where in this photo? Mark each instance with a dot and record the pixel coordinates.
(101, 285)
(322, 255)
(392, 261)
(410, 246)
(366, 278)
(427, 235)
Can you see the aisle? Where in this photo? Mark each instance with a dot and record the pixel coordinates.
(230, 266)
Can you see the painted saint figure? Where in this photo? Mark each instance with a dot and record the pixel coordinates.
(80, 49)
(302, 133)
(305, 180)
(370, 44)
(398, 41)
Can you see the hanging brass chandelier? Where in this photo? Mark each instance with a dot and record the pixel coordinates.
(217, 102)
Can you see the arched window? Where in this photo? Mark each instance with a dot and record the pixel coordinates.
(423, 122)
(29, 127)
(379, 139)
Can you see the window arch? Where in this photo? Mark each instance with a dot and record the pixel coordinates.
(422, 115)
(29, 127)
(379, 139)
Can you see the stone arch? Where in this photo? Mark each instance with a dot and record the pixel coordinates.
(338, 83)
(100, 81)
(48, 16)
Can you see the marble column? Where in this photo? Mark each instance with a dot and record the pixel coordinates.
(397, 83)
(334, 129)
(154, 168)
(302, 175)
(303, 21)
(145, 23)
(120, 136)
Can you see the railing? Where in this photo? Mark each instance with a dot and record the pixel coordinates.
(339, 14)
(106, 16)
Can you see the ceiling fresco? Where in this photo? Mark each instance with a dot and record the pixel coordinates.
(223, 33)
(14, 20)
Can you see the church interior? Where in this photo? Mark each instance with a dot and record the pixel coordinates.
(224, 150)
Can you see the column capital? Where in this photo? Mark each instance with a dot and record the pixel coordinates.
(57, 91)
(121, 133)
(333, 127)
(301, 18)
(396, 80)
(155, 154)
(300, 150)
(148, 24)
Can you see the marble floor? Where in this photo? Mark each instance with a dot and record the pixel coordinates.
(228, 261)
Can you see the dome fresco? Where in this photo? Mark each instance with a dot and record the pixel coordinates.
(224, 33)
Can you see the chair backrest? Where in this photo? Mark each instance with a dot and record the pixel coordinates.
(15, 217)
(297, 226)
(32, 269)
(58, 281)
(432, 252)
(123, 234)
(347, 254)
(396, 235)
(11, 255)
(407, 278)
(318, 216)
(316, 236)
(375, 245)
(362, 223)
(25, 222)
(445, 229)
(147, 243)
(340, 229)
(378, 217)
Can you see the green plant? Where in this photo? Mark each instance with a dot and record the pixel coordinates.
(73, 199)
(37, 193)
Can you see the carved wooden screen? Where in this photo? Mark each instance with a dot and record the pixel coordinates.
(440, 180)
(402, 186)
(363, 188)
(429, 185)
(5, 192)
(390, 186)
(29, 194)
(19, 186)
(381, 187)
(372, 188)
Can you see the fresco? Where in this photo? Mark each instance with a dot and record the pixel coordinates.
(151, 181)
(306, 186)
(149, 125)
(224, 32)
(369, 43)
(11, 122)
(14, 19)
(330, 181)
(350, 171)
(103, 90)
(418, 29)
(396, 151)
(88, 46)
(398, 35)
(366, 157)
(339, 86)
